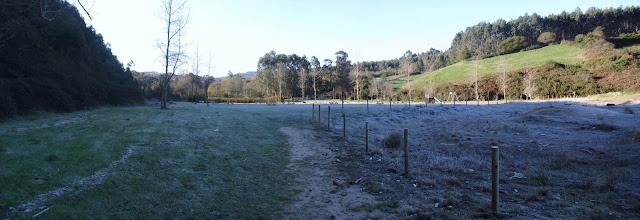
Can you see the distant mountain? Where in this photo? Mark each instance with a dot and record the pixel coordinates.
(247, 75)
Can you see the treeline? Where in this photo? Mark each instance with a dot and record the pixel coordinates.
(187, 87)
(484, 39)
(51, 61)
(290, 76)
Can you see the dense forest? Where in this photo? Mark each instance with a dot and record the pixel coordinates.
(484, 39)
(51, 61)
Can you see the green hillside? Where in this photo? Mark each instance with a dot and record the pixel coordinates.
(465, 70)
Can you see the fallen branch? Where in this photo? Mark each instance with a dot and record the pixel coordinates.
(40, 213)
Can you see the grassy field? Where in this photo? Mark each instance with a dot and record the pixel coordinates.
(190, 160)
(465, 70)
(234, 162)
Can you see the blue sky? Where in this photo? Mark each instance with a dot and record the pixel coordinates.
(238, 32)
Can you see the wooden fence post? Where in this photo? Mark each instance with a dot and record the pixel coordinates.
(313, 113)
(494, 178)
(329, 118)
(389, 103)
(318, 113)
(406, 151)
(344, 125)
(366, 136)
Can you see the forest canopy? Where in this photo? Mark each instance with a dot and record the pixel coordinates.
(51, 61)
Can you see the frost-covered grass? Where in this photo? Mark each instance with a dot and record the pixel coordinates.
(220, 161)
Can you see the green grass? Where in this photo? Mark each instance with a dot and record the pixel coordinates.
(399, 81)
(464, 71)
(181, 166)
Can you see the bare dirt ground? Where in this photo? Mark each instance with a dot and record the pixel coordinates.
(323, 192)
(558, 160)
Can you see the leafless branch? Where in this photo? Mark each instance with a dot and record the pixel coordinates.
(85, 9)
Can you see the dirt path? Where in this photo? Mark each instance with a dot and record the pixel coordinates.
(323, 192)
(77, 186)
(56, 123)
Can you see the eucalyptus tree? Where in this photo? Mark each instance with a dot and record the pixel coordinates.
(343, 64)
(315, 72)
(303, 73)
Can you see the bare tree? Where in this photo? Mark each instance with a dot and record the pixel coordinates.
(408, 67)
(196, 70)
(388, 90)
(529, 85)
(429, 62)
(374, 87)
(175, 15)
(49, 14)
(206, 84)
(503, 80)
(475, 67)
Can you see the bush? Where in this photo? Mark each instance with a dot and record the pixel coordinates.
(393, 140)
(597, 33)
(512, 44)
(594, 39)
(52, 157)
(628, 110)
(547, 38)
(630, 36)
(244, 100)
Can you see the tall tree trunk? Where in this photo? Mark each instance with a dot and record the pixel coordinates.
(477, 96)
(315, 93)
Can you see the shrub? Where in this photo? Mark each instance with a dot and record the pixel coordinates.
(628, 110)
(597, 33)
(630, 36)
(547, 38)
(532, 47)
(393, 140)
(52, 157)
(512, 44)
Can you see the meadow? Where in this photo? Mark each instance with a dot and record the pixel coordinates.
(564, 159)
(187, 161)
(465, 70)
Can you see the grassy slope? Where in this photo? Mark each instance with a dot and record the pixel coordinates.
(465, 70)
(181, 166)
